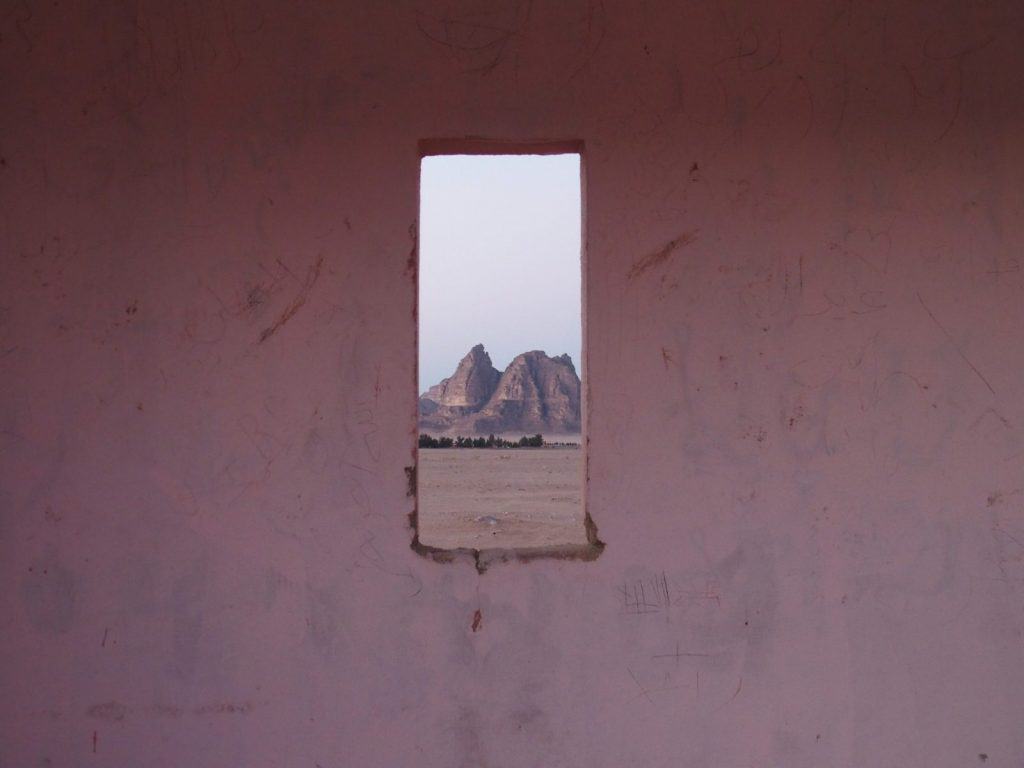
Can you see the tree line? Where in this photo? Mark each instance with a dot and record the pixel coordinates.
(426, 441)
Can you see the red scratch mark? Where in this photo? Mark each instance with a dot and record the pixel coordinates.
(103, 643)
(312, 274)
(666, 357)
(661, 255)
(94, 739)
(478, 620)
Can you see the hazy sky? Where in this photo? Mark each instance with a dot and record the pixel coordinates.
(499, 259)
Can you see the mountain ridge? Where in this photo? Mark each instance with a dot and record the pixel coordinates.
(535, 393)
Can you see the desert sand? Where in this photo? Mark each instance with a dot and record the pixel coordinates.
(492, 498)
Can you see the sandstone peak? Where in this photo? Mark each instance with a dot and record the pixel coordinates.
(470, 386)
(536, 393)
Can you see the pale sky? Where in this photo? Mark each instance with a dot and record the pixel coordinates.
(499, 259)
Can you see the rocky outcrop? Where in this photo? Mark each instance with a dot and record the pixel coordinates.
(470, 387)
(536, 393)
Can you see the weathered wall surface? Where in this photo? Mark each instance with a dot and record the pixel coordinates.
(806, 401)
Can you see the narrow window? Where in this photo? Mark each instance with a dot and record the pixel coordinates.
(501, 458)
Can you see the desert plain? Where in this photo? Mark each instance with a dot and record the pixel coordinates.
(492, 498)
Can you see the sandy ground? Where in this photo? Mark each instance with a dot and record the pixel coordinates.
(488, 498)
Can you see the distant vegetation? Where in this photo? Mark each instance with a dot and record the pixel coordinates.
(426, 441)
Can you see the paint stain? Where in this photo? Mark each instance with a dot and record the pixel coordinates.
(255, 298)
(110, 710)
(411, 262)
(225, 708)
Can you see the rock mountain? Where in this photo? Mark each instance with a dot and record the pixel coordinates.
(536, 393)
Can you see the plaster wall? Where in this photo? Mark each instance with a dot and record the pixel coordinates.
(804, 358)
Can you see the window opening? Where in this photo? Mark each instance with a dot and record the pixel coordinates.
(501, 454)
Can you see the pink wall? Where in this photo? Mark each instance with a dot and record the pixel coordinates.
(805, 226)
